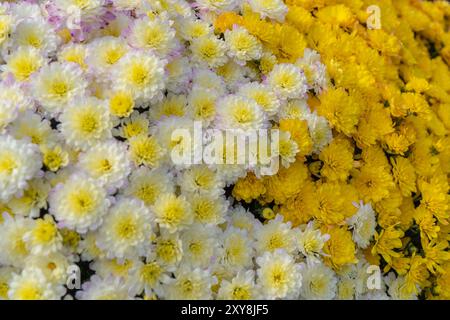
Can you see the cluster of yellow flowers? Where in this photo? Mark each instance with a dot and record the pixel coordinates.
(388, 103)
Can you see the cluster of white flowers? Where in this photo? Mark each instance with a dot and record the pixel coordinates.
(88, 105)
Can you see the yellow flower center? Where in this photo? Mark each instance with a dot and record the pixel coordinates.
(7, 164)
(23, 67)
(45, 231)
(126, 228)
(241, 293)
(150, 273)
(81, 202)
(243, 116)
(4, 290)
(88, 122)
(59, 88)
(139, 75)
(121, 104)
(29, 292)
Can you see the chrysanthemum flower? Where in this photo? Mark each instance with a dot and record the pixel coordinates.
(107, 162)
(154, 33)
(86, 122)
(80, 203)
(19, 162)
(126, 229)
(319, 283)
(140, 73)
(288, 81)
(209, 51)
(173, 213)
(242, 45)
(237, 112)
(278, 275)
(57, 85)
(32, 284)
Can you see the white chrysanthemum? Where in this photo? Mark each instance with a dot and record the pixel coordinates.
(107, 162)
(179, 73)
(86, 122)
(105, 52)
(241, 287)
(86, 9)
(311, 242)
(126, 4)
(147, 277)
(190, 284)
(276, 235)
(278, 275)
(237, 112)
(264, 97)
(190, 29)
(202, 180)
(242, 46)
(273, 9)
(79, 203)
(32, 284)
(57, 84)
(13, 248)
(207, 79)
(7, 24)
(155, 34)
(30, 126)
(19, 162)
(174, 8)
(23, 62)
(216, 5)
(288, 81)
(176, 136)
(202, 105)
(134, 125)
(173, 213)
(44, 238)
(345, 288)
(146, 150)
(6, 274)
(243, 219)
(319, 283)
(170, 106)
(74, 52)
(294, 109)
(316, 71)
(117, 268)
(168, 248)
(37, 33)
(89, 249)
(209, 51)
(110, 288)
(287, 149)
(208, 209)
(8, 109)
(12, 97)
(147, 185)
(237, 249)
(140, 73)
(363, 223)
(126, 230)
(320, 131)
(234, 75)
(199, 245)
(398, 288)
(32, 199)
(54, 266)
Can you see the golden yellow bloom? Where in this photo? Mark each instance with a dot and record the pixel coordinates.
(340, 248)
(248, 188)
(386, 242)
